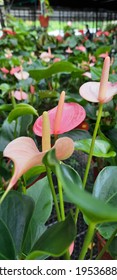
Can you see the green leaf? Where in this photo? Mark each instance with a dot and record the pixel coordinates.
(95, 210)
(16, 211)
(4, 88)
(56, 239)
(41, 194)
(101, 149)
(96, 73)
(113, 248)
(7, 130)
(7, 250)
(58, 67)
(47, 94)
(33, 173)
(77, 134)
(105, 189)
(6, 107)
(21, 109)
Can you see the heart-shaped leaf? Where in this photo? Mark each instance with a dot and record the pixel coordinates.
(16, 211)
(101, 149)
(56, 239)
(7, 248)
(41, 194)
(105, 189)
(58, 67)
(21, 109)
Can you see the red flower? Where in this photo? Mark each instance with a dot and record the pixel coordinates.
(9, 32)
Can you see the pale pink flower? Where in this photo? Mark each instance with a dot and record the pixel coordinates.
(69, 23)
(46, 56)
(4, 70)
(56, 59)
(68, 50)
(8, 53)
(103, 55)
(25, 154)
(102, 91)
(20, 95)
(81, 48)
(87, 74)
(22, 75)
(15, 70)
(71, 248)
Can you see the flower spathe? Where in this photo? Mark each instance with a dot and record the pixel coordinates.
(25, 154)
(72, 115)
(102, 91)
(20, 95)
(90, 90)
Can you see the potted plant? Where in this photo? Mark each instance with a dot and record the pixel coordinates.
(47, 11)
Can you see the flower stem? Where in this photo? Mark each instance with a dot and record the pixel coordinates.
(61, 200)
(92, 144)
(53, 193)
(88, 239)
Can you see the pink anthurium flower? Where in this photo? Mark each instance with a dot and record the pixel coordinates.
(46, 56)
(63, 117)
(103, 55)
(21, 75)
(25, 154)
(87, 74)
(20, 95)
(81, 48)
(4, 70)
(15, 70)
(56, 59)
(71, 248)
(102, 91)
(68, 50)
(8, 53)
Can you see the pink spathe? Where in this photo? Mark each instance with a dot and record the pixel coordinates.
(72, 115)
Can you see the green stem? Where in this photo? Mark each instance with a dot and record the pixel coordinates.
(92, 145)
(61, 200)
(76, 215)
(14, 105)
(66, 256)
(53, 193)
(106, 245)
(90, 154)
(88, 239)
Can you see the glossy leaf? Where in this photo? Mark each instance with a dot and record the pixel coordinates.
(57, 238)
(41, 194)
(77, 134)
(105, 189)
(101, 149)
(113, 248)
(16, 211)
(7, 130)
(21, 109)
(5, 88)
(58, 67)
(33, 173)
(7, 249)
(6, 107)
(95, 210)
